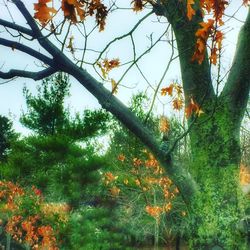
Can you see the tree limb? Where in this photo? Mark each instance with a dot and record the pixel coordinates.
(28, 74)
(236, 90)
(43, 41)
(15, 45)
(16, 27)
(179, 175)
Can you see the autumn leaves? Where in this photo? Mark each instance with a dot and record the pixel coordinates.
(43, 13)
(146, 178)
(27, 219)
(174, 90)
(73, 10)
(208, 29)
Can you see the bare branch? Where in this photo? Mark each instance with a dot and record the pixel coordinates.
(16, 27)
(15, 45)
(123, 36)
(172, 58)
(237, 88)
(28, 74)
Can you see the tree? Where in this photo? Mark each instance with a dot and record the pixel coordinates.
(52, 157)
(6, 136)
(59, 159)
(46, 114)
(150, 206)
(214, 136)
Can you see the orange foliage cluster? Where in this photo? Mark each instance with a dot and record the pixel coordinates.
(109, 177)
(208, 28)
(154, 211)
(8, 193)
(73, 10)
(202, 35)
(109, 65)
(43, 12)
(137, 5)
(178, 102)
(60, 210)
(193, 108)
(25, 225)
(121, 157)
(164, 125)
(106, 66)
(27, 231)
(147, 176)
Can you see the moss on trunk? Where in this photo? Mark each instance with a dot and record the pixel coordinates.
(218, 207)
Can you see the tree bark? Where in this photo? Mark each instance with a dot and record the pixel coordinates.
(215, 135)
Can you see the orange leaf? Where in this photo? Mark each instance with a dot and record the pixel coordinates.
(109, 177)
(164, 124)
(178, 89)
(137, 5)
(193, 108)
(137, 162)
(109, 65)
(178, 103)
(96, 6)
(154, 211)
(73, 9)
(205, 30)
(43, 12)
(167, 90)
(121, 157)
(190, 10)
(213, 56)
(201, 45)
(115, 191)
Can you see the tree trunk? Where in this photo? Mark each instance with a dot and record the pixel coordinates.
(214, 136)
(217, 208)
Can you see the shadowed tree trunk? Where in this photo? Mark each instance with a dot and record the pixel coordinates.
(214, 136)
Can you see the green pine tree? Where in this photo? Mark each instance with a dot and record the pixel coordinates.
(7, 135)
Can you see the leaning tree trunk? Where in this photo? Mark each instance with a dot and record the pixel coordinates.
(214, 136)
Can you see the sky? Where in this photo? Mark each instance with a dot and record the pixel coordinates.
(118, 23)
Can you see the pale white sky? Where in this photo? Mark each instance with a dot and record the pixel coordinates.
(118, 23)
